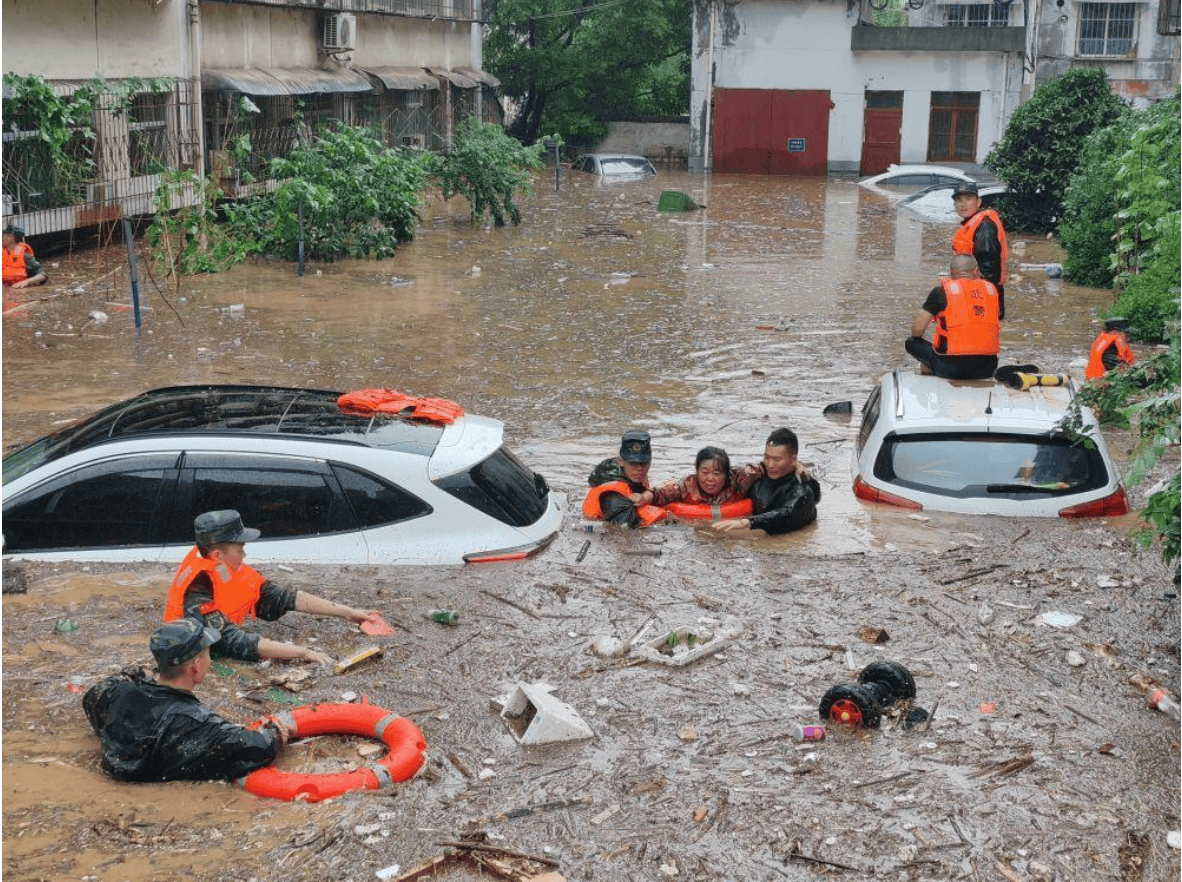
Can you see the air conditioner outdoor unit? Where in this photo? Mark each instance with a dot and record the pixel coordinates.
(340, 31)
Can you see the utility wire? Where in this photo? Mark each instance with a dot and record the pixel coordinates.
(580, 10)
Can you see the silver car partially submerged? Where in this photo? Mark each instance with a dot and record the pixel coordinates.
(981, 447)
(323, 484)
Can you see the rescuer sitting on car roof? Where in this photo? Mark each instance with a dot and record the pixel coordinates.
(158, 730)
(786, 497)
(968, 336)
(620, 491)
(213, 585)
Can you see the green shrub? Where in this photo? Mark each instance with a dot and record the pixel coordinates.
(488, 168)
(1088, 230)
(1150, 298)
(1040, 149)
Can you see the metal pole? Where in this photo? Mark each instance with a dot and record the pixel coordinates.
(133, 272)
(301, 217)
(556, 165)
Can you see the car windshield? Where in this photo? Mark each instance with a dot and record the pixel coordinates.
(501, 486)
(625, 165)
(966, 465)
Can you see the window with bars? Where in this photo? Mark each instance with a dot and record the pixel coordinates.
(977, 15)
(1106, 28)
(952, 126)
(148, 141)
(1168, 18)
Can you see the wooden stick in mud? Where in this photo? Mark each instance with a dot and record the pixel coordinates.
(508, 602)
(496, 849)
(814, 860)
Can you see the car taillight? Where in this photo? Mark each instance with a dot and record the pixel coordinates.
(864, 491)
(1110, 506)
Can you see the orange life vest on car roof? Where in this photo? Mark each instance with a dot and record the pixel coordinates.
(14, 263)
(962, 242)
(391, 401)
(234, 594)
(969, 324)
(1096, 361)
(648, 514)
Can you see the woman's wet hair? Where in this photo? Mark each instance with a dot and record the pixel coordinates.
(716, 454)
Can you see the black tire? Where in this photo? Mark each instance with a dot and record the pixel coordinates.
(891, 676)
(851, 705)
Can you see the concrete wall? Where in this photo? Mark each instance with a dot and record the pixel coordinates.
(659, 141)
(77, 39)
(769, 44)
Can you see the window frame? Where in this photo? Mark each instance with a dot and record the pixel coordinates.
(1106, 39)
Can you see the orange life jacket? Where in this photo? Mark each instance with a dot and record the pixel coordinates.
(1096, 361)
(962, 242)
(234, 594)
(14, 263)
(648, 514)
(431, 410)
(968, 325)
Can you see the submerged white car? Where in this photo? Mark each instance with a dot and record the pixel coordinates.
(981, 447)
(323, 484)
(900, 180)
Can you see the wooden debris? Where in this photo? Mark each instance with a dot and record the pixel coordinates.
(874, 635)
(1009, 767)
(508, 602)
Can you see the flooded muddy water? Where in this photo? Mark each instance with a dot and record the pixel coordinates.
(1042, 762)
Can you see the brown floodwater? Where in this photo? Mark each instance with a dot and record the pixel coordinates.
(596, 314)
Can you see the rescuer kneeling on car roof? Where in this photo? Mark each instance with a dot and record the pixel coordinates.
(214, 586)
(968, 335)
(158, 730)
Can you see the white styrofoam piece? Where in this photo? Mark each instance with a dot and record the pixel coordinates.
(534, 716)
(651, 650)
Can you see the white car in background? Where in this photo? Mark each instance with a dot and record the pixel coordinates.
(322, 484)
(901, 180)
(622, 166)
(981, 447)
(935, 203)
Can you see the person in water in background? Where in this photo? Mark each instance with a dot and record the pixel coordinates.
(982, 236)
(606, 498)
(1111, 349)
(214, 586)
(713, 482)
(786, 497)
(21, 268)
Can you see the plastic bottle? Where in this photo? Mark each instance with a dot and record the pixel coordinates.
(444, 616)
(1161, 700)
(807, 734)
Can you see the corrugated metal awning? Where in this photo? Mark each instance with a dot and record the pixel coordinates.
(284, 81)
(405, 79)
(466, 77)
(482, 76)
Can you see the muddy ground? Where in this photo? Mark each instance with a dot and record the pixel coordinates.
(1041, 762)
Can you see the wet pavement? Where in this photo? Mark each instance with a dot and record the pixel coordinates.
(712, 327)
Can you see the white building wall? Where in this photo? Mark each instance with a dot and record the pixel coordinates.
(772, 44)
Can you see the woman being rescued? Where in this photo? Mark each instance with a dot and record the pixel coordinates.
(714, 491)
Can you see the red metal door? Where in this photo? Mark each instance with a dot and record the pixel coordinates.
(883, 131)
(771, 131)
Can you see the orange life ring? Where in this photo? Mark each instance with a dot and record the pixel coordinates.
(648, 514)
(391, 401)
(742, 508)
(400, 735)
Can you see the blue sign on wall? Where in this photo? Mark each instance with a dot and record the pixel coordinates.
(796, 145)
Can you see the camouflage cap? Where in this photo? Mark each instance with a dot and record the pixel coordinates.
(965, 188)
(177, 642)
(636, 447)
(1116, 323)
(221, 526)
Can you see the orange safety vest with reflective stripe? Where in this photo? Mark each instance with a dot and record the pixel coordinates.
(1096, 361)
(968, 325)
(648, 514)
(14, 263)
(234, 594)
(962, 242)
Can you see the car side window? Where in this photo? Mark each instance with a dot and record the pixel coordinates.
(109, 504)
(375, 502)
(279, 499)
(869, 416)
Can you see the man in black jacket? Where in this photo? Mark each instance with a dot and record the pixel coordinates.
(786, 497)
(158, 730)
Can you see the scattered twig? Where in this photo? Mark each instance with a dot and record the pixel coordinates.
(508, 602)
(583, 551)
(972, 574)
(815, 860)
(927, 724)
(496, 849)
(1080, 713)
(883, 780)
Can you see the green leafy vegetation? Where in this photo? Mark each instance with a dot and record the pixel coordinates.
(1088, 230)
(1041, 147)
(1150, 298)
(488, 168)
(571, 65)
(1144, 397)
